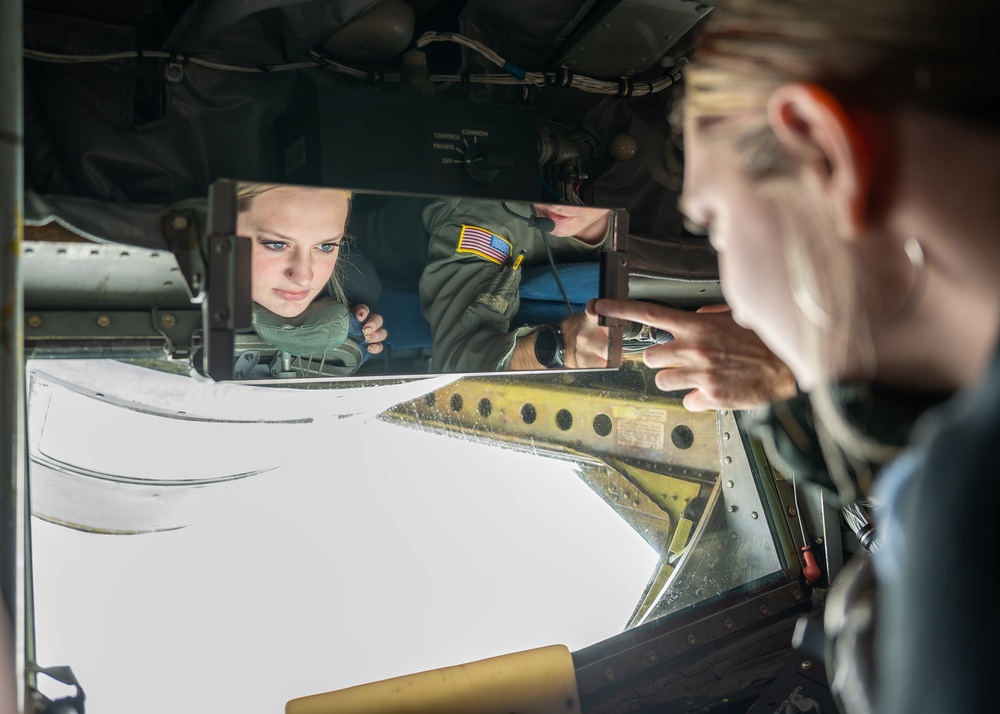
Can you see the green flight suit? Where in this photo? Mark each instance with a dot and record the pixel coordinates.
(469, 288)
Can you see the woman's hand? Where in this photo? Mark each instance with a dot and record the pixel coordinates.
(724, 366)
(371, 327)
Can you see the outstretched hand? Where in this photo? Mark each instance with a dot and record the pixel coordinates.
(725, 366)
(371, 328)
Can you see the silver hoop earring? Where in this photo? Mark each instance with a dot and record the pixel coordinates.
(915, 254)
(812, 310)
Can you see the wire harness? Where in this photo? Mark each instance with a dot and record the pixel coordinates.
(564, 77)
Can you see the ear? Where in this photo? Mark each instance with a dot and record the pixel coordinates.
(815, 129)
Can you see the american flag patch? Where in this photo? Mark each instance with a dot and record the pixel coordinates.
(485, 244)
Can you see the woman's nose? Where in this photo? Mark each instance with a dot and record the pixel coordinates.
(300, 269)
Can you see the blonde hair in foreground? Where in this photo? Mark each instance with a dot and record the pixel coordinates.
(938, 55)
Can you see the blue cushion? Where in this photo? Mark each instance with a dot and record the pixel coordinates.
(541, 302)
(405, 323)
(581, 281)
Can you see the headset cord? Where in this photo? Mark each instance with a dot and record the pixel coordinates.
(544, 225)
(555, 274)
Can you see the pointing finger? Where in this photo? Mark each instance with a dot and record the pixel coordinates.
(647, 313)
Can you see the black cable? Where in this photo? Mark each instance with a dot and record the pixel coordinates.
(544, 225)
(555, 274)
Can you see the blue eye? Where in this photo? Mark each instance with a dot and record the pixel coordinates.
(275, 245)
(329, 247)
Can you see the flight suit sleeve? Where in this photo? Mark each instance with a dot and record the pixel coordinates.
(469, 289)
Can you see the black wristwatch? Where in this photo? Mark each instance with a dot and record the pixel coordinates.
(550, 350)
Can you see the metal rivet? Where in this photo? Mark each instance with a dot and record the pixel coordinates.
(34, 320)
(179, 222)
(692, 640)
(791, 511)
(728, 624)
(730, 483)
(103, 320)
(609, 674)
(806, 665)
(763, 609)
(732, 509)
(725, 435)
(168, 320)
(754, 515)
(728, 460)
(651, 656)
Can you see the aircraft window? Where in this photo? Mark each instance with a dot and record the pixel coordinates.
(259, 543)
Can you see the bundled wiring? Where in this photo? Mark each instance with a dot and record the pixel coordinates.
(58, 58)
(860, 521)
(624, 87)
(510, 75)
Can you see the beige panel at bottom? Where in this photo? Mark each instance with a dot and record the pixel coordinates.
(537, 681)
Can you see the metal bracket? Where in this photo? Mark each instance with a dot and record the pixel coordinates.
(229, 307)
(180, 228)
(174, 71)
(64, 705)
(179, 328)
(614, 284)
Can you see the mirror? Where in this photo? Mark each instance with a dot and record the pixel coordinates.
(361, 284)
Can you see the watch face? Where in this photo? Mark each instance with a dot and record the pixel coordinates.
(549, 347)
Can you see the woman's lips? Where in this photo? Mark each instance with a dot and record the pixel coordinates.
(291, 295)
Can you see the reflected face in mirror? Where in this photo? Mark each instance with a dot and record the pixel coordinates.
(296, 234)
(582, 222)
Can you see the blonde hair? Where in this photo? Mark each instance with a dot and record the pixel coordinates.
(929, 54)
(248, 191)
